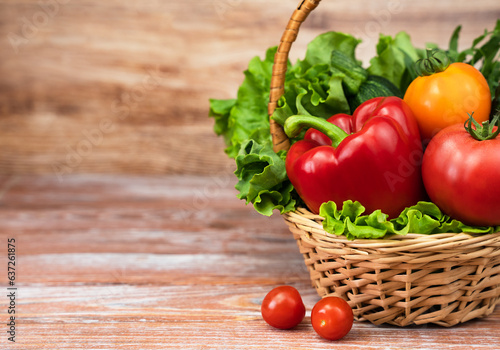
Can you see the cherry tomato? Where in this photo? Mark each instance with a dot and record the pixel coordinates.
(283, 307)
(462, 173)
(445, 98)
(332, 318)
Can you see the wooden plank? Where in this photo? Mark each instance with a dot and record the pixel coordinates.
(215, 316)
(129, 262)
(107, 87)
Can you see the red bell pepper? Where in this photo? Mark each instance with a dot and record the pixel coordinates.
(373, 156)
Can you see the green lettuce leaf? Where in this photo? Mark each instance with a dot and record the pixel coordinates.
(312, 97)
(423, 218)
(262, 178)
(395, 60)
(312, 87)
(319, 50)
(220, 110)
(246, 117)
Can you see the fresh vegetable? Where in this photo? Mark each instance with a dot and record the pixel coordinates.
(484, 53)
(351, 221)
(374, 159)
(395, 60)
(461, 172)
(495, 104)
(283, 308)
(313, 86)
(354, 74)
(317, 86)
(262, 178)
(445, 93)
(332, 318)
(358, 85)
(373, 86)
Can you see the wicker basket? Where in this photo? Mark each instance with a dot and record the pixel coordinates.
(443, 279)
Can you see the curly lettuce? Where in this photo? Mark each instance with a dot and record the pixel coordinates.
(262, 178)
(424, 218)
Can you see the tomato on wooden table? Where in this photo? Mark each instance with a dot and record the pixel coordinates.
(461, 172)
(332, 318)
(283, 308)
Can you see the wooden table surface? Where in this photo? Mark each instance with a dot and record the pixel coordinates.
(155, 262)
(167, 258)
(123, 86)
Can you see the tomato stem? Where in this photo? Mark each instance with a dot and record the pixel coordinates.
(484, 131)
(436, 61)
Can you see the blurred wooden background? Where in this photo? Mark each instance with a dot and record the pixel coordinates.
(123, 86)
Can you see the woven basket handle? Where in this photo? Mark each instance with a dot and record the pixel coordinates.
(280, 140)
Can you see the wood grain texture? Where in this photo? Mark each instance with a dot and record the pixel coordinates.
(153, 262)
(123, 87)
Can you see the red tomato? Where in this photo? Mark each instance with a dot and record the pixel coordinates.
(462, 176)
(283, 307)
(332, 318)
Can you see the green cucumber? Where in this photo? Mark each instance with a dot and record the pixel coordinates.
(373, 86)
(354, 74)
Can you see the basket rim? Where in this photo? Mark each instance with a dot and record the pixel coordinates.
(312, 223)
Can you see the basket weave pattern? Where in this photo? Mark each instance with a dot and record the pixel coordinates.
(443, 279)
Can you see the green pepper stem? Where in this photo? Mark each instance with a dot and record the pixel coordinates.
(295, 123)
(483, 131)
